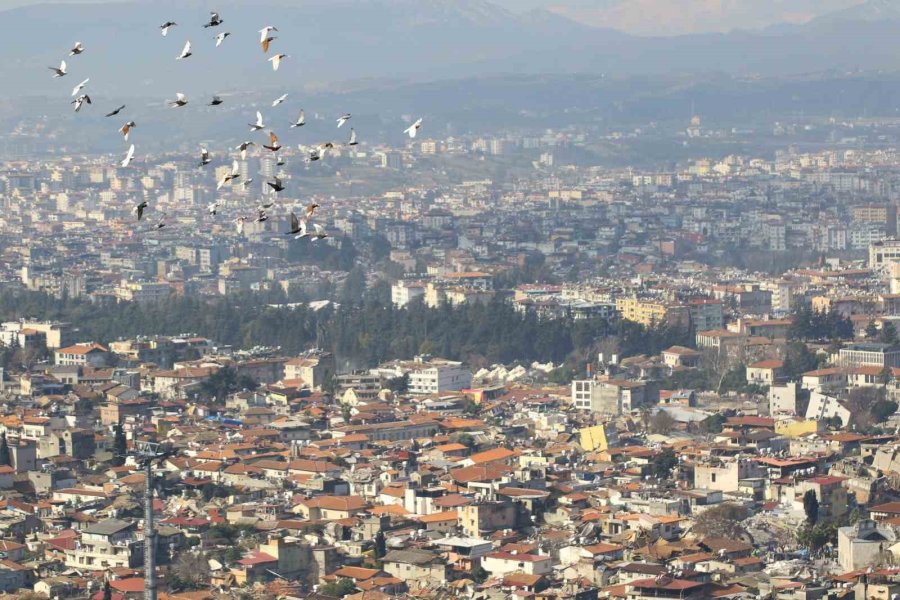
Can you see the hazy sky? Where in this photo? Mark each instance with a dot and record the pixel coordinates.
(655, 17)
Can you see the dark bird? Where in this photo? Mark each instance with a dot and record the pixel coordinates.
(273, 141)
(277, 186)
(214, 20)
(116, 111)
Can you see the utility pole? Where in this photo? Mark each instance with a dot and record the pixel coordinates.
(147, 454)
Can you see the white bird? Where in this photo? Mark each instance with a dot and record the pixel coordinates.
(204, 157)
(128, 157)
(76, 49)
(239, 222)
(59, 71)
(352, 141)
(413, 129)
(164, 28)
(343, 120)
(138, 210)
(320, 232)
(301, 231)
(80, 87)
(301, 120)
(235, 173)
(214, 20)
(125, 130)
(80, 100)
(276, 61)
(212, 208)
(279, 100)
(221, 38)
(264, 32)
(259, 123)
(266, 42)
(243, 148)
(179, 101)
(186, 51)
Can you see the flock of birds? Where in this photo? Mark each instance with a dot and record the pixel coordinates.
(300, 227)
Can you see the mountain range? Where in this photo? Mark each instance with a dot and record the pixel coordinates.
(361, 41)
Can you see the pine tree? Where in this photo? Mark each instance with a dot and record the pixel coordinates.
(380, 544)
(811, 506)
(5, 458)
(120, 446)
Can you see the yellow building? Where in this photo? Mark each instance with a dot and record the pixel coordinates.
(593, 439)
(645, 312)
(791, 428)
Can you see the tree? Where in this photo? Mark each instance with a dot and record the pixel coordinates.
(722, 520)
(190, 571)
(226, 381)
(399, 385)
(662, 423)
(889, 333)
(120, 446)
(479, 574)
(5, 457)
(380, 544)
(798, 359)
(871, 330)
(811, 506)
(338, 589)
(663, 463)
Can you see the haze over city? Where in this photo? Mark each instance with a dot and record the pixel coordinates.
(430, 299)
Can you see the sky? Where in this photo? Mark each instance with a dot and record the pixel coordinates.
(655, 17)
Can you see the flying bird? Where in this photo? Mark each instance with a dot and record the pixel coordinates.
(265, 206)
(273, 141)
(296, 226)
(261, 216)
(212, 208)
(221, 38)
(164, 28)
(265, 31)
(243, 148)
(352, 141)
(179, 101)
(313, 155)
(204, 157)
(214, 20)
(301, 120)
(59, 71)
(259, 123)
(76, 49)
(228, 177)
(246, 183)
(277, 185)
(239, 222)
(138, 210)
(310, 210)
(80, 87)
(116, 111)
(343, 120)
(125, 130)
(215, 101)
(186, 51)
(413, 129)
(128, 157)
(280, 161)
(279, 100)
(161, 223)
(275, 60)
(80, 100)
(267, 41)
(319, 233)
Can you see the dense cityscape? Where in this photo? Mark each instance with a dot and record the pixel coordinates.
(528, 351)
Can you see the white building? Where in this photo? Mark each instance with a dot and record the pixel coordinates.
(404, 292)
